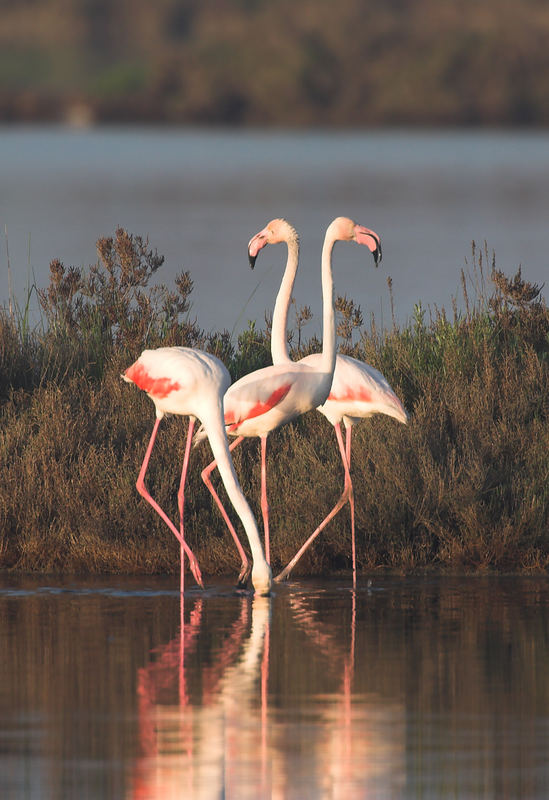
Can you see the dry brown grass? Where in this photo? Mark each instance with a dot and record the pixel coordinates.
(464, 486)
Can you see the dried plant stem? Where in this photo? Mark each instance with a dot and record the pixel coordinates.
(10, 284)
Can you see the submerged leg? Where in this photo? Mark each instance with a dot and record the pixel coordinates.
(142, 489)
(347, 495)
(206, 473)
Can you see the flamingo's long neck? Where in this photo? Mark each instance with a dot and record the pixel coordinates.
(279, 341)
(215, 428)
(247, 666)
(328, 316)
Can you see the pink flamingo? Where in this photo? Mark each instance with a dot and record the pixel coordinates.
(358, 390)
(270, 397)
(188, 382)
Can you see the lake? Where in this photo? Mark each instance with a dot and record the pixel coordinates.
(199, 195)
(407, 687)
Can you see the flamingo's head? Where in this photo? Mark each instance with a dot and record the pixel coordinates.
(277, 230)
(262, 577)
(344, 229)
(394, 408)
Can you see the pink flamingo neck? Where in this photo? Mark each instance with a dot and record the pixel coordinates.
(328, 317)
(279, 342)
(214, 427)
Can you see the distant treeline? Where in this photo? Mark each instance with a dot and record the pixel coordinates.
(276, 62)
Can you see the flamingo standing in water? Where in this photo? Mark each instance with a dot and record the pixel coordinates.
(181, 380)
(270, 397)
(358, 390)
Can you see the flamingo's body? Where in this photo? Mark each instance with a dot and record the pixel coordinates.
(189, 382)
(357, 391)
(270, 397)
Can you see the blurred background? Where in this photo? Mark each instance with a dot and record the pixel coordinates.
(276, 62)
(194, 123)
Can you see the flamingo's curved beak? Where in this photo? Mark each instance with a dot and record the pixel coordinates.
(256, 243)
(378, 255)
(371, 240)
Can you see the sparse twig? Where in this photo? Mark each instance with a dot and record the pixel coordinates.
(10, 286)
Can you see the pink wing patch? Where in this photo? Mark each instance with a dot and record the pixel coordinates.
(158, 387)
(261, 407)
(349, 395)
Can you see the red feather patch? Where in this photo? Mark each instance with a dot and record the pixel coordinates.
(352, 395)
(158, 387)
(260, 407)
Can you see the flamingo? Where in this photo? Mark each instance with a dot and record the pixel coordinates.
(358, 390)
(264, 400)
(189, 382)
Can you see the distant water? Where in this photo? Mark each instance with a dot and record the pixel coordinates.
(199, 195)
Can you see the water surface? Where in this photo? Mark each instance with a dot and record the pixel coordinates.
(404, 688)
(200, 195)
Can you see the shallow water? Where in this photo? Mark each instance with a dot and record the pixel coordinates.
(404, 688)
(199, 195)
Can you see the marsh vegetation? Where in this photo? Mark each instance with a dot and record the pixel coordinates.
(464, 486)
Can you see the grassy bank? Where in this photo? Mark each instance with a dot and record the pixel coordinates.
(464, 486)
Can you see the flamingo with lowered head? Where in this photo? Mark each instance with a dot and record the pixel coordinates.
(189, 382)
(270, 397)
(358, 390)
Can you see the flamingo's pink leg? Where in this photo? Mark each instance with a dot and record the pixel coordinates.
(141, 488)
(206, 473)
(264, 501)
(348, 482)
(347, 494)
(181, 498)
(348, 446)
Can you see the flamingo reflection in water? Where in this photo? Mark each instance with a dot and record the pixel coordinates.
(211, 728)
(359, 743)
(194, 746)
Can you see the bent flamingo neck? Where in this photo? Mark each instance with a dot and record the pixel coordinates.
(214, 427)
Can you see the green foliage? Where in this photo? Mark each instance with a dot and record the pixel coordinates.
(253, 352)
(120, 79)
(463, 486)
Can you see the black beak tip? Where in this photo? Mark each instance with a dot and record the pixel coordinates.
(377, 255)
(252, 260)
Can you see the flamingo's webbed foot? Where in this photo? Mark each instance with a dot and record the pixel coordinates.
(195, 569)
(244, 575)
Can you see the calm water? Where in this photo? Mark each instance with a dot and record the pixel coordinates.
(200, 195)
(406, 688)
